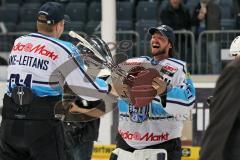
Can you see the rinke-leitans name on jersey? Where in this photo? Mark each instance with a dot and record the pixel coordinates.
(29, 61)
(19, 57)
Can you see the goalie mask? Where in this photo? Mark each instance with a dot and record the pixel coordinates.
(235, 47)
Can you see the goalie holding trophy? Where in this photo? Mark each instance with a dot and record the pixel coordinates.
(155, 95)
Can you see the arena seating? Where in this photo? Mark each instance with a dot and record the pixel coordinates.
(87, 13)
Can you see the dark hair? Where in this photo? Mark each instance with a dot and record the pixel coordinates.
(171, 52)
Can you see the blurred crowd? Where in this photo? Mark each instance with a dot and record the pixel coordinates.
(138, 15)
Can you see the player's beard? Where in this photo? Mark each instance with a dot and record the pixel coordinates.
(160, 51)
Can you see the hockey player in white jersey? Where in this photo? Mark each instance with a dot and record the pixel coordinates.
(38, 65)
(159, 124)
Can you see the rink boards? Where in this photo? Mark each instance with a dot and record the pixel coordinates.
(102, 152)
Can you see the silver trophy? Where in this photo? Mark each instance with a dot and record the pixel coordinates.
(96, 51)
(96, 54)
(99, 54)
(137, 76)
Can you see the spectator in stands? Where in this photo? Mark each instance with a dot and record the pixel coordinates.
(207, 16)
(236, 12)
(176, 15)
(221, 140)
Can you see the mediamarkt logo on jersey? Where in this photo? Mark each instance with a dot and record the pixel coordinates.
(146, 137)
(40, 49)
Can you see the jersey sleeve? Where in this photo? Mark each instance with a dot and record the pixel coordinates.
(75, 74)
(181, 95)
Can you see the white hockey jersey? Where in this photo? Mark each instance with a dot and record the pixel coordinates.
(44, 63)
(163, 118)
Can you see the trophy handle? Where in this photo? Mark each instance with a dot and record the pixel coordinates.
(84, 42)
(107, 62)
